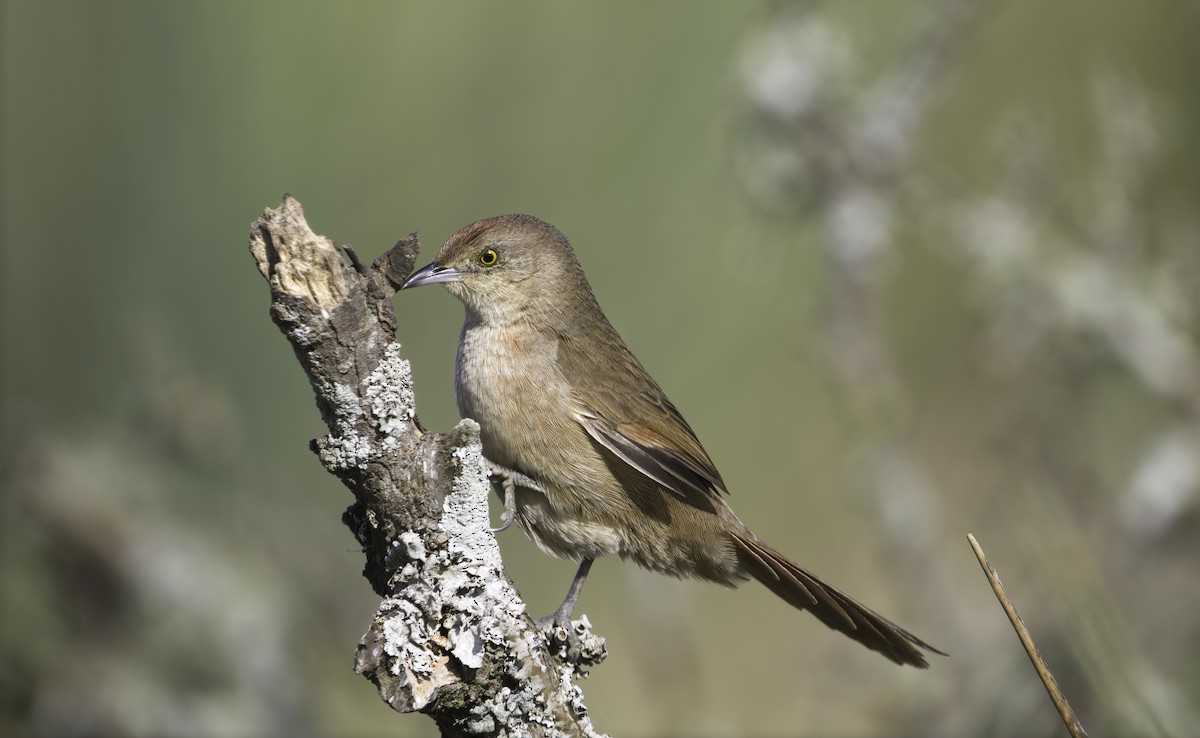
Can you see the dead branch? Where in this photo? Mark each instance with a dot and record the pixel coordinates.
(1056, 695)
(451, 637)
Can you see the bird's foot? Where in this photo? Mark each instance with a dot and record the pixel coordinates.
(572, 641)
(509, 481)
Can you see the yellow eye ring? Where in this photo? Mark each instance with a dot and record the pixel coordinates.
(489, 257)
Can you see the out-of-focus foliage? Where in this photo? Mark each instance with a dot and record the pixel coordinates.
(910, 269)
(1059, 247)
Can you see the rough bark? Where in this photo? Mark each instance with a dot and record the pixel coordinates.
(451, 637)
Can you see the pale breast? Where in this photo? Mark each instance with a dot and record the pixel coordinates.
(508, 380)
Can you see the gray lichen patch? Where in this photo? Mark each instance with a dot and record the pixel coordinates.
(345, 403)
(350, 450)
(345, 447)
(465, 510)
(418, 669)
(388, 392)
(303, 335)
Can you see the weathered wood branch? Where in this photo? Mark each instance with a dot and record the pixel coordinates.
(451, 637)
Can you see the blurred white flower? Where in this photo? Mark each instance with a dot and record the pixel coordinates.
(1165, 484)
(860, 224)
(795, 65)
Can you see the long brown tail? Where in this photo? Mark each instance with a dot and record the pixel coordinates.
(804, 591)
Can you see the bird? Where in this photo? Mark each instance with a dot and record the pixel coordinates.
(595, 460)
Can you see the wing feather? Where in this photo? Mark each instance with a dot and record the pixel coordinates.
(635, 421)
(638, 447)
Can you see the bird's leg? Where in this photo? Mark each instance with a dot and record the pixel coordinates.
(562, 615)
(509, 480)
(557, 625)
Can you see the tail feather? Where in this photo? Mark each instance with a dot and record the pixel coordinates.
(802, 590)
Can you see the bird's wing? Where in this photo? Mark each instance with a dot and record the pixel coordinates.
(637, 422)
(654, 456)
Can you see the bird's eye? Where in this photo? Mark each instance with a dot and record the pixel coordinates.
(489, 257)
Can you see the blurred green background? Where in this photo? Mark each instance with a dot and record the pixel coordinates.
(909, 269)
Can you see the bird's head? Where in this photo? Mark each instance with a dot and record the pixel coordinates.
(500, 267)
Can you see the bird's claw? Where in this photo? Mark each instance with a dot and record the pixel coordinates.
(508, 517)
(509, 480)
(572, 641)
(561, 636)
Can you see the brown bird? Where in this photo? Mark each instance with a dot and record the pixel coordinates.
(602, 461)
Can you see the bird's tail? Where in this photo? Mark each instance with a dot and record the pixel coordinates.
(803, 590)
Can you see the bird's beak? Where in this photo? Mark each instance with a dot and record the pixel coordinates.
(431, 274)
